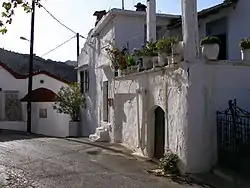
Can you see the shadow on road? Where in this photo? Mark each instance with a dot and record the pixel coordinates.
(7, 135)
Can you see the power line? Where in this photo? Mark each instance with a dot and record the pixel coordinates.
(58, 46)
(60, 21)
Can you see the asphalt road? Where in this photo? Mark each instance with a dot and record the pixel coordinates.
(28, 161)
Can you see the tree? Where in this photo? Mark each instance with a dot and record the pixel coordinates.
(69, 101)
(8, 12)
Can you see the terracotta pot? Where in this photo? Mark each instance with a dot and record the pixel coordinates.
(210, 51)
(162, 59)
(245, 54)
(147, 62)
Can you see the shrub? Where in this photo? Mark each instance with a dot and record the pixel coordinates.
(166, 44)
(69, 101)
(169, 163)
(245, 43)
(209, 40)
(149, 49)
(130, 60)
(117, 58)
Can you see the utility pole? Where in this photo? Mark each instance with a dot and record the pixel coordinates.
(31, 67)
(77, 45)
(122, 4)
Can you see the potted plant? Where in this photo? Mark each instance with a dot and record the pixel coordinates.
(164, 48)
(69, 101)
(131, 63)
(245, 49)
(210, 48)
(117, 59)
(149, 55)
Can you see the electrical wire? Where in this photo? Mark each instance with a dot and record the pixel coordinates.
(58, 46)
(60, 22)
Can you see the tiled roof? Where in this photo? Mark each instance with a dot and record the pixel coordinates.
(18, 65)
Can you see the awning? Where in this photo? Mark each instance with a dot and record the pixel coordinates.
(40, 95)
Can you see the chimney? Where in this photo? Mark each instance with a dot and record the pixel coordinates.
(99, 15)
(140, 7)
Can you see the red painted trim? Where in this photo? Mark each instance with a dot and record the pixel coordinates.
(21, 76)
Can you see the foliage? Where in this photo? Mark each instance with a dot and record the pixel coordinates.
(9, 7)
(245, 43)
(169, 163)
(166, 44)
(209, 40)
(117, 57)
(69, 101)
(149, 49)
(130, 60)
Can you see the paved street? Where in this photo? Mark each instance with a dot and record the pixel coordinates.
(27, 161)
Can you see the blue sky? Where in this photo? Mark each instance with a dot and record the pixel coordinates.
(76, 14)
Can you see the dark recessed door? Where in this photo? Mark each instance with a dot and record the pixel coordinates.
(159, 133)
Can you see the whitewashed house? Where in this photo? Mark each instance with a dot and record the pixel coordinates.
(172, 107)
(118, 28)
(13, 98)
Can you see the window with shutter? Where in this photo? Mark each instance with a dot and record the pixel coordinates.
(84, 81)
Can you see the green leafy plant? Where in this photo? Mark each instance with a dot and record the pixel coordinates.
(69, 101)
(165, 45)
(117, 58)
(245, 43)
(149, 49)
(8, 12)
(169, 163)
(209, 40)
(130, 60)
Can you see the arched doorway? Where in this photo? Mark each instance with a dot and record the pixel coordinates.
(159, 141)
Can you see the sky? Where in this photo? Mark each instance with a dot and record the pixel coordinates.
(77, 15)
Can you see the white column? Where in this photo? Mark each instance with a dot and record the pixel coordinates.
(190, 30)
(151, 20)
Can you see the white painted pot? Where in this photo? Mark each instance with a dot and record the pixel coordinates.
(73, 128)
(245, 54)
(177, 52)
(119, 72)
(210, 51)
(154, 60)
(147, 62)
(170, 60)
(162, 59)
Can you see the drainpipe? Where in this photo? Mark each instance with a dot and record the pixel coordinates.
(151, 20)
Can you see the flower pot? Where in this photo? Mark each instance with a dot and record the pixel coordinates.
(162, 59)
(170, 59)
(134, 68)
(177, 52)
(147, 62)
(154, 60)
(210, 51)
(245, 54)
(73, 128)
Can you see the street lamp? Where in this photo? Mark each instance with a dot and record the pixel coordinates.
(30, 66)
(23, 38)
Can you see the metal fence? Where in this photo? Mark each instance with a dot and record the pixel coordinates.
(233, 136)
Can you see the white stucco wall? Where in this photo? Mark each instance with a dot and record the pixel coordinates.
(55, 124)
(141, 94)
